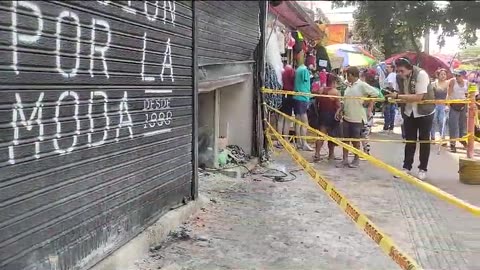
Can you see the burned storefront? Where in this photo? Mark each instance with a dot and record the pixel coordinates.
(96, 126)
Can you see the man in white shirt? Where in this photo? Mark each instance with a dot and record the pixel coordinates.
(414, 86)
(389, 109)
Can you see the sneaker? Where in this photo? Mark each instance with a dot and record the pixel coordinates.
(422, 175)
(405, 171)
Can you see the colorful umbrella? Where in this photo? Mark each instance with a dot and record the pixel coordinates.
(354, 59)
(469, 67)
(352, 55)
(349, 48)
(343, 47)
(449, 60)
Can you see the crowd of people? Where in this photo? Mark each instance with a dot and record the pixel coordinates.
(351, 117)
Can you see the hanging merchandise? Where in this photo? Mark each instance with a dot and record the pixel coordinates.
(281, 41)
(290, 41)
(273, 56)
(300, 36)
(310, 60)
(271, 82)
(298, 43)
(284, 57)
(323, 61)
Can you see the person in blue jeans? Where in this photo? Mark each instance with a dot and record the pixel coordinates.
(440, 88)
(389, 109)
(457, 123)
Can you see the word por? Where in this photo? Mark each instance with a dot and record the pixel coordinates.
(100, 28)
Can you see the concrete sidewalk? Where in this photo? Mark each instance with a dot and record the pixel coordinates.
(255, 223)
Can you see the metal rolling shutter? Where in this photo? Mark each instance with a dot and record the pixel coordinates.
(228, 31)
(91, 151)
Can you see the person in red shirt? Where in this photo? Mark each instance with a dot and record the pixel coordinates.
(327, 114)
(288, 79)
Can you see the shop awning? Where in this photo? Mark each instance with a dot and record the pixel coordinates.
(291, 14)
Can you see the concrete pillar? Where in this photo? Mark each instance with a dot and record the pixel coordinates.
(216, 125)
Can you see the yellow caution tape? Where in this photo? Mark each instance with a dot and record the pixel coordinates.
(270, 142)
(385, 243)
(475, 210)
(292, 93)
(463, 139)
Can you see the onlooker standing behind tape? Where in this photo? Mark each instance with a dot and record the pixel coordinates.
(457, 117)
(440, 89)
(288, 79)
(389, 109)
(414, 86)
(301, 103)
(354, 114)
(326, 110)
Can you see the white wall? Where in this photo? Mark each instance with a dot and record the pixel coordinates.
(236, 114)
(235, 118)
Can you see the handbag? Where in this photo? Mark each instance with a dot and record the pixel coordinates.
(398, 118)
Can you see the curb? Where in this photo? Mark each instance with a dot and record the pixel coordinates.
(137, 248)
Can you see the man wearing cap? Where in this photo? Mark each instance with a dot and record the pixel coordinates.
(413, 87)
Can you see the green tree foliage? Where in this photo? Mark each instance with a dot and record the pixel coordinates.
(461, 13)
(398, 25)
(470, 52)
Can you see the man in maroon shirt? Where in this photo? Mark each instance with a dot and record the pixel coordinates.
(288, 78)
